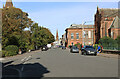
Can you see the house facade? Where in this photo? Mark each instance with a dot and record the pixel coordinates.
(63, 40)
(106, 23)
(83, 34)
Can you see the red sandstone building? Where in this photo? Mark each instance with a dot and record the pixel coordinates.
(8, 4)
(106, 23)
(83, 34)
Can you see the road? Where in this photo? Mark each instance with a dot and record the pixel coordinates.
(59, 63)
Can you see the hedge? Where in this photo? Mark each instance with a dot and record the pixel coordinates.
(11, 50)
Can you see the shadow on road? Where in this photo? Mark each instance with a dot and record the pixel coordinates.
(34, 71)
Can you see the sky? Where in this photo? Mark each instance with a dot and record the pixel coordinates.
(60, 15)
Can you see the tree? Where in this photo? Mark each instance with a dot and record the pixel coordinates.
(41, 36)
(0, 24)
(14, 21)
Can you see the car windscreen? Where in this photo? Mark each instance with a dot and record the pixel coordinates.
(74, 47)
(89, 47)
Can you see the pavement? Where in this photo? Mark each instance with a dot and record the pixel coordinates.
(108, 55)
(60, 63)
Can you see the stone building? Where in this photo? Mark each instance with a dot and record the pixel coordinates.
(106, 23)
(83, 34)
(57, 37)
(56, 42)
(63, 39)
(8, 4)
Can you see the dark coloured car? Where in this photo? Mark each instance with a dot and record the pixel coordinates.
(44, 48)
(88, 50)
(74, 49)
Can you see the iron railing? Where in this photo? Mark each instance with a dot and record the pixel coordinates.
(111, 48)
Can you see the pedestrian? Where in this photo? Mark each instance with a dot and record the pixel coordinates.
(94, 45)
(99, 48)
(82, 46)
(20, 52)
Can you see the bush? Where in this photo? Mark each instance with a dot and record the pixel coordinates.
(78, 45)
(69, 46)
(118, 42)
(3, 53)
(11, 50)
(31, 47)
(96, 46)
(107, 42)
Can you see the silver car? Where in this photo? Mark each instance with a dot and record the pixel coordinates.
(74, 49)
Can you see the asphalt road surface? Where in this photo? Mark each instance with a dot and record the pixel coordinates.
(59, 63)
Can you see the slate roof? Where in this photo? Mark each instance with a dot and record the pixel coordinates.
(115, 23)
(81, 26)
(107, 12)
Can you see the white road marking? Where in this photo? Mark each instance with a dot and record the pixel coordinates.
(2, 59)
(23, 59)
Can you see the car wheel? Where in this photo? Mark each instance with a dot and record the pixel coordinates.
(81, 53)
(85, 53)
(95, 54)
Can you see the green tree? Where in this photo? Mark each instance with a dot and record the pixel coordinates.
(14, 21)
(41, 35)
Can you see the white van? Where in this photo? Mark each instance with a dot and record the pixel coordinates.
(49, 46)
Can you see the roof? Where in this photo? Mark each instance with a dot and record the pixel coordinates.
(115, 23)
(107, 12)
(76, 26)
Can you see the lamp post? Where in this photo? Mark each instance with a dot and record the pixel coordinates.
(84, 31)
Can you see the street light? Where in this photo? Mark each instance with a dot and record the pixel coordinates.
(84, 34)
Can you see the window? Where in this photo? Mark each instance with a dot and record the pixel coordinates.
(112, 34)
(84, 34)
(72, 36)
(89, 34)
(105, 28)
(77, 35)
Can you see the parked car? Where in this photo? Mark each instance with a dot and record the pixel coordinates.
(63, 47)
(49, 46)
(55, 46)
(88, 50)
(44, 48)
(74, 49)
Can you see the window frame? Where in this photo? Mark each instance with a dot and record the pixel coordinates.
(72, 35)
(77, 35)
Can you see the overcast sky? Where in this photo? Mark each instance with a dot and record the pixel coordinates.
(60, 15)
